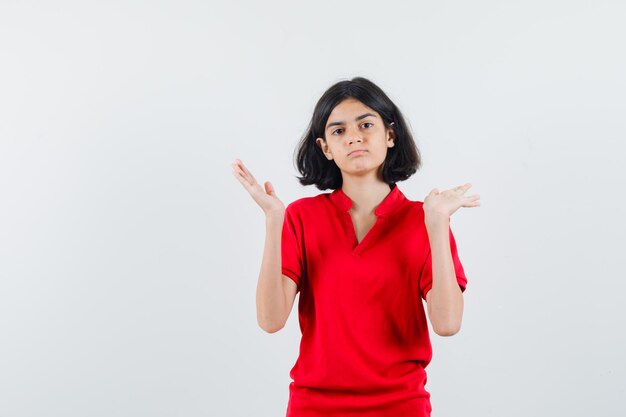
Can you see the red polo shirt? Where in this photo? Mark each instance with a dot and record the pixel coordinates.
(365, 342)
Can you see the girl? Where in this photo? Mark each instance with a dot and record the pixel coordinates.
(362, 257)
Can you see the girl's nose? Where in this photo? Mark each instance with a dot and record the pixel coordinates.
(353, 135)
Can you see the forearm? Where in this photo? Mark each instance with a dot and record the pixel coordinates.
(270, 294)
(445, 305)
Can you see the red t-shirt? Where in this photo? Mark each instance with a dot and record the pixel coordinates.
(365, 342)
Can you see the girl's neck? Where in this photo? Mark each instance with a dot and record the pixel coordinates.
(365, 195)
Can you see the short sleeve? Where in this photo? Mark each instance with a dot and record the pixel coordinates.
(426, 278)
(291, 246)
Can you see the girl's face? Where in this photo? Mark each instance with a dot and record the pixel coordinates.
(356, 138)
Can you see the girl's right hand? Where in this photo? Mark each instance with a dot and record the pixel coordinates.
(265, 198)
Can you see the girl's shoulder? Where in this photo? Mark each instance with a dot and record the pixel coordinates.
(309, 203)
(321, 203)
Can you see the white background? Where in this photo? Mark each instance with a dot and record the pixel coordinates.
(129, 254)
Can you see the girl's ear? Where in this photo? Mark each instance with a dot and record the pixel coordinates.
(324, 146)
(391, 137)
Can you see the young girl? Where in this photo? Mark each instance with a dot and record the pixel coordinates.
(362, 257)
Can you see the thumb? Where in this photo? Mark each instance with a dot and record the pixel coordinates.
(269, 188)
(434, 191)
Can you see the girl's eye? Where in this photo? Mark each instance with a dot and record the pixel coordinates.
(366, 123)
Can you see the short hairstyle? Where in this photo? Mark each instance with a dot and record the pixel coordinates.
(402, 160)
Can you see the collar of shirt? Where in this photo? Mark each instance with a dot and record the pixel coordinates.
(389, 203)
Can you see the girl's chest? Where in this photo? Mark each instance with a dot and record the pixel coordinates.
(362, 224)
(366, 246)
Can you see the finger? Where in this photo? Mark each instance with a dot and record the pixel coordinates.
(238, 172)
(239, 165)
(242, 179)
(473, 200)
(245, 181)
(470, 201)
(245, 170)
(247, 174)
(462, 189)
(270, 189)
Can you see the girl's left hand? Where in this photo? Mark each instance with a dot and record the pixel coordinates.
(447, 202)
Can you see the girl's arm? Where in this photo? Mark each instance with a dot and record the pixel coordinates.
(445, 299)
(275, 292)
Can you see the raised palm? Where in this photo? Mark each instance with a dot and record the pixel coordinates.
(265, 196)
